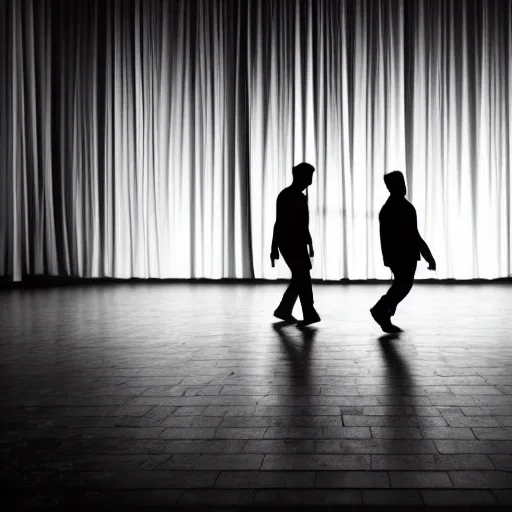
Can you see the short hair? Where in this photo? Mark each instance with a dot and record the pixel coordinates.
(394, 180)
(302, 168)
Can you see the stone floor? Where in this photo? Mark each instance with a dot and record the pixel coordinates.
(161, 394)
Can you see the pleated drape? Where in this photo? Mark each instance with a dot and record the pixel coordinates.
(150, 138)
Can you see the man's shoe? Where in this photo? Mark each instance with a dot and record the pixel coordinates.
(384, 320)
(379, 315)
(285, 315)
(390, 328)
(310, 318)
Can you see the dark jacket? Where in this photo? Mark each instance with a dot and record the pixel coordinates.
(399, 236)
(291, 229)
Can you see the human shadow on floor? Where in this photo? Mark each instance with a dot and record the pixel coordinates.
(398, 376)
(298, 422)
(298, 351)
(392, 357)
(400, 397)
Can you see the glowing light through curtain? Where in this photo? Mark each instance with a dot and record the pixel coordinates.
(151, 138)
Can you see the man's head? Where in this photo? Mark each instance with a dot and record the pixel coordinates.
(303, 175)
(395, 183)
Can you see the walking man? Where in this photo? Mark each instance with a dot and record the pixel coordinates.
(292, 239)
(401, 246)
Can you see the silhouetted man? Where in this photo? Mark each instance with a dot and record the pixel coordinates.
(292, 239)
(401, 246)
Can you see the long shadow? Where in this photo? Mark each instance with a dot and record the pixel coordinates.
(398, 369)
(298, 353)
(298, 390)
(400, 403)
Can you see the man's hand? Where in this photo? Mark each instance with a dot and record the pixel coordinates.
(425, 252)
(311, 252)
(274, 255)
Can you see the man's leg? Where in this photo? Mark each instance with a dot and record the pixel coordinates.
(285, 308)
(403, 279)
(402, 285)
(289, 297)
(300, 286)
(305, 287)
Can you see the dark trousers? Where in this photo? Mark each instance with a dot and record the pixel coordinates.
(300, 285)
(403, 279)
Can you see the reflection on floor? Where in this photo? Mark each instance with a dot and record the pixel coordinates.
(160, 394)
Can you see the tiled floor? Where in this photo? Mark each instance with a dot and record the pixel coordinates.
(162, 394)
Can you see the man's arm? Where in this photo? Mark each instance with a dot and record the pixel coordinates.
(309, 241)
(274, 251)
(385, 242)
(423, 247)
(425, 252)
(275, 247)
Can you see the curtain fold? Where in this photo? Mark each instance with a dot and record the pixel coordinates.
(150, 138)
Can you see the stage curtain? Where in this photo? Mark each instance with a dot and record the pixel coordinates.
(150, 138)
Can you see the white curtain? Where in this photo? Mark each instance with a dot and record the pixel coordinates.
(150, 138)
